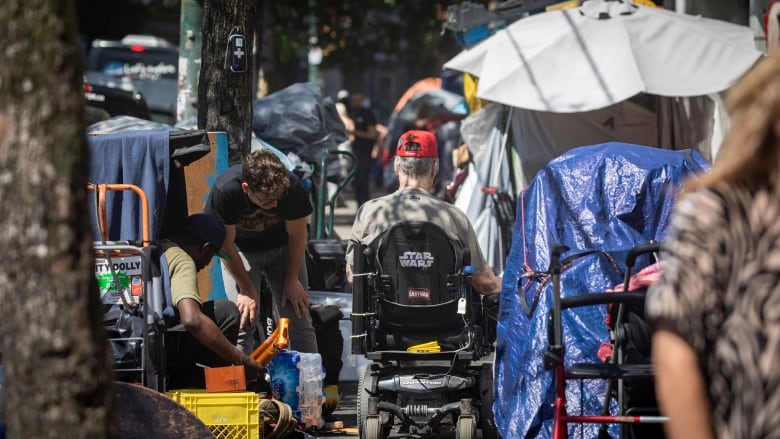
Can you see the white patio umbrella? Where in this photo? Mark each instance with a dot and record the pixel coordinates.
(604, 52)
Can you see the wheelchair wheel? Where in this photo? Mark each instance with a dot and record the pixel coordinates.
(372, 429)
(486, 419)
(366, 387)
(466, 428)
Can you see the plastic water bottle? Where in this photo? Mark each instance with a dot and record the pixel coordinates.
(296, 380)
(310, 393)
(285, 377)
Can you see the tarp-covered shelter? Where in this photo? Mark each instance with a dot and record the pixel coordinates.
(149, 155)
(608, 197)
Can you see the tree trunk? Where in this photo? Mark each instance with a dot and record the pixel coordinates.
(58, 373)
(224, 96)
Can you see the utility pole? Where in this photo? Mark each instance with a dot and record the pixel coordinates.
(190, 46)
(315, 53)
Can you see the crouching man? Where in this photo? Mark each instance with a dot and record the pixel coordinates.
(200, 334)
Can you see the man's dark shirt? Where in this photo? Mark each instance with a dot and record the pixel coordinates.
(256, 228)
(363, 118)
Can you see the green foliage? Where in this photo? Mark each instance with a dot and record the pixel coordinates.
(290, 38)
(358, 34)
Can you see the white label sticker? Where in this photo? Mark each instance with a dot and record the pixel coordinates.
(462, 306)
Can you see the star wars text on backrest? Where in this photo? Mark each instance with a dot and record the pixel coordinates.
(416, 259)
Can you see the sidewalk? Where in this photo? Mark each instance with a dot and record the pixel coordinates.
(346, 412)
(344, 216)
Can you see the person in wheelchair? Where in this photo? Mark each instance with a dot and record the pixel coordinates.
(426, 331)
(199, 333)
(416, 165)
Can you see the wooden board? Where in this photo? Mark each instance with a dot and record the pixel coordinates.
(200, 176)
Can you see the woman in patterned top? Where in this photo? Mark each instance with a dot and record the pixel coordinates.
(716, 309)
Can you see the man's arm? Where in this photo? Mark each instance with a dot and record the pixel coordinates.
(293, 291)
(680, 386)
(486, 282)
(484, 279)
(208, 334)
(247, 300)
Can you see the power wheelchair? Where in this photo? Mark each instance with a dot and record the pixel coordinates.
(429, 336)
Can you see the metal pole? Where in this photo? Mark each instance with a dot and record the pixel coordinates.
(190, 47)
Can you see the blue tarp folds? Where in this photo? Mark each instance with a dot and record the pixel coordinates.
(607, 197)
(141, 158)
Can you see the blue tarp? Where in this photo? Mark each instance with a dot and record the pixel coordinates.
(607, 197)
(142, 158)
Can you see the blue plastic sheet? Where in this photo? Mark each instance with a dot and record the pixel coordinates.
(607, 197)
(141, 158)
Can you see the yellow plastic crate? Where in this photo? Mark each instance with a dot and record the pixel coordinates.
(231, 415)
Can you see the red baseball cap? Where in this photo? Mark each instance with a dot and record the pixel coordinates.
(418, 144)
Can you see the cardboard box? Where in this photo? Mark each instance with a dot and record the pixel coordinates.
(225, 379)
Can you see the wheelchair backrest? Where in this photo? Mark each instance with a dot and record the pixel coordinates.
(417, 258)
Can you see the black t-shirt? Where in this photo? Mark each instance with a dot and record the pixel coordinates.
(256, 228)
(363, 118)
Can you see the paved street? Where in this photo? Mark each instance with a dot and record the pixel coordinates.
(346, 412)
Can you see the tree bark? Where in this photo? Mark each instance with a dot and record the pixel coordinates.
(58, 373)
(224, 96)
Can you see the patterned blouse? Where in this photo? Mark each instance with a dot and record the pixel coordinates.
(720, 288)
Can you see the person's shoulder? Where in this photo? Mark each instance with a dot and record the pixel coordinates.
(715, 207)
(176, 255)
(719, 197)
(386, 198)
(171, 249)
(370, 206)
(296, 192)
(438, 202)
(230, 176)
(293, 178)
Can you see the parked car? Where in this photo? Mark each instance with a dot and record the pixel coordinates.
(138, 63)
(104, 102)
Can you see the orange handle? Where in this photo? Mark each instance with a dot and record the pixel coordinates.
(284, 333)
(278, 340)
(265, 345)
(103, 216)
